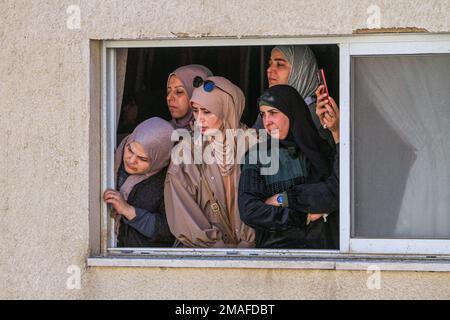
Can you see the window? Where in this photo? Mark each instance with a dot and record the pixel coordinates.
(401, 123)
(393, 167)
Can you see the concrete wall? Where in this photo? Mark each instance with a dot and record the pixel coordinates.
(46, 153)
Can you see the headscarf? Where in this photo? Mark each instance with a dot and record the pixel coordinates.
(303, 75)
(302, 131)
(154, 135)
(226, 101)
(186, 74)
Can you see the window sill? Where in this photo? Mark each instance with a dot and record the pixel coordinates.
(307, 262)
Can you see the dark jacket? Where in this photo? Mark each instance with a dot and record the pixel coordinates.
(285, 227)
(149, 228)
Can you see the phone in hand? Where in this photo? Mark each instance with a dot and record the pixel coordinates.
(323, 81)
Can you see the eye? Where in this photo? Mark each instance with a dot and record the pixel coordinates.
(262, 114)
(143, 159)
(194, 110)
(206, 112)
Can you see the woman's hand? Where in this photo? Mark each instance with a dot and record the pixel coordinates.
(272, 201)
(119, 204)
(311, 217)
(328, 112)
(314, 216)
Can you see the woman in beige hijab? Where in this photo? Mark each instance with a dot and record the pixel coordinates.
(200, 199)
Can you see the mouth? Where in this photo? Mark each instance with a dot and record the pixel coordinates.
(131, 168)
(272, 130)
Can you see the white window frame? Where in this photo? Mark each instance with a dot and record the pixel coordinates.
(349, 248)
(411, 245)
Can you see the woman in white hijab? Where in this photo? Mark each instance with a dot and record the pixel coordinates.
(297, 67)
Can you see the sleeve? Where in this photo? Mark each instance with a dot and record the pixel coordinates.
(255, 212)
(151, 224)
(321, 197)
(186, 219)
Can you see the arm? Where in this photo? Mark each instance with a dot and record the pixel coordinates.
(328, 113)
(322, 196)
(255, 212)
(151, 224)
(317, 197)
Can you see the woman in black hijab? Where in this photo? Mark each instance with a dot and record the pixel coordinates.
(293, 207)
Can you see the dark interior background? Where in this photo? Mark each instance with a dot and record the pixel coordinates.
(148, 69)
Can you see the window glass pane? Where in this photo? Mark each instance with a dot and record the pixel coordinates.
(401, 144)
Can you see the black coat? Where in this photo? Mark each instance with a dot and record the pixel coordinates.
(147, 197)
(285, 227)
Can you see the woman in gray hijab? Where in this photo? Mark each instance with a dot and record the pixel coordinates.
(297, 67)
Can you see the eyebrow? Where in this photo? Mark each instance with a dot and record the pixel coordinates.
(273, 109)
(180, 86)
(134, 152)
(201, 108)
(280, 59)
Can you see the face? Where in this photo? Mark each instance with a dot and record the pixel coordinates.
(274, 119)
(177, 98)
(135, 159)
(205, 119)
(279, 69)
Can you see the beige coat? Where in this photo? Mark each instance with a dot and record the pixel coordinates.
(188, 209)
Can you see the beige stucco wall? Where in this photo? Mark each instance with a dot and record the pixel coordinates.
(45, 153)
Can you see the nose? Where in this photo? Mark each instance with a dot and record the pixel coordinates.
(170, 96)
(270, 68)
(200, 117)
(267, 120)
(132, 159)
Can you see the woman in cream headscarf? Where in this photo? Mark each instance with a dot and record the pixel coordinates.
(201, 200)
(179, 92)
(141, 165)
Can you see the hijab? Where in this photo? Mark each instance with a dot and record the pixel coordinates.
(154, 135)
(226, 101)
(302, 131)
(303, 75)
(186, 74)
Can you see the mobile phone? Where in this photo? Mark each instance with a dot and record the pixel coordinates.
(323, 81)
